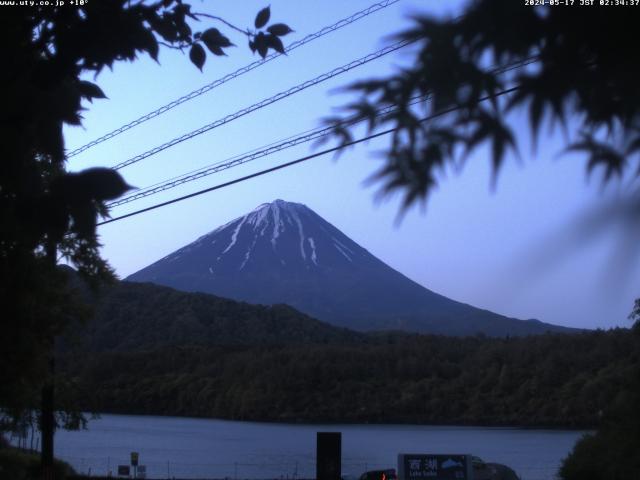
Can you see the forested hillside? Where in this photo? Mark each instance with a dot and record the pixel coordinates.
(142, 316)
(549, 380)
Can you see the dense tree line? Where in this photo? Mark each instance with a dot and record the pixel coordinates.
(143, 316)
(612, 451)
(548, 380)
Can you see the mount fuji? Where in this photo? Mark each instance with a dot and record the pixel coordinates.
(284, 252)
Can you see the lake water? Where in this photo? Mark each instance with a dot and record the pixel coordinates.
(199, 448)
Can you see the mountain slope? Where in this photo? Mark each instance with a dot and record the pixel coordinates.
(283, 252)
(142, 316)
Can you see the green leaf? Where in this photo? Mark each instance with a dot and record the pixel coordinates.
(217, 51)
(197, 55)
(275, 43)
(98, 183)
(536, 112)
(262, 17)
(164, 27)
(215, 41)
(214, 36)
(279, 29)
(150, 43)
(633, 147)
(185, 30)
(261, 44)
(51, 140)
(600, 155)
(84, 219)
(90, 90)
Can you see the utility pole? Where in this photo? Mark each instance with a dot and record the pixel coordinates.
(47, 408)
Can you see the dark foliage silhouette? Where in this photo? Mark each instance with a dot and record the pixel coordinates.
(584, 77)
(585, 72)
(634, 316)
(612, 451)
(46, 212)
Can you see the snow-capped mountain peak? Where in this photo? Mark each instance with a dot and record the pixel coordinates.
(289, 235)
(283, 252)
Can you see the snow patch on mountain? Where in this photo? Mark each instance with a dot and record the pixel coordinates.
(259, 215)
(314, 256)
(272, 222)
(342, 248)
(277, 223)
(220, 228)
(296, 219)
(248, 253)
(234, 236)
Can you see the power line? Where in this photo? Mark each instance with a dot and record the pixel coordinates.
(223, 161)
(241, 71)
(272, 148)
(222, 166)
(297, 161)
(268, 101)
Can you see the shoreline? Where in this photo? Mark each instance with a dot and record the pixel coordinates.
(303, 422)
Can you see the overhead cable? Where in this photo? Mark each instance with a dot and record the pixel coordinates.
(297, 161)
(267, 101)
(241, 71)
(272, 148)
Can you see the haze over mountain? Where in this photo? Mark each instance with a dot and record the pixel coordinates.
(284, 252)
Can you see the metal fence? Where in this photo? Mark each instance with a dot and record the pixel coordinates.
(294, 470)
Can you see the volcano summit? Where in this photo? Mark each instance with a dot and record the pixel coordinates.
(284, 252)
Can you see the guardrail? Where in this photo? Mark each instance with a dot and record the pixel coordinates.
(107, 467)
(98, 468)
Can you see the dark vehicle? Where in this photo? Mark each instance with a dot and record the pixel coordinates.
(389, 474)
(492, 471)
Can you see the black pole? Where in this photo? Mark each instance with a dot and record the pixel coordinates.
(47, 428)
(328, 456)
(47, 408)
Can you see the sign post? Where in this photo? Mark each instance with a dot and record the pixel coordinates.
(328, 456)
(134, 463)
(419, 466)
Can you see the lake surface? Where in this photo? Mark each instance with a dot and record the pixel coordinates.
(199, 448)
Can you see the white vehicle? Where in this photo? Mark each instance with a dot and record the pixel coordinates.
(425, 466)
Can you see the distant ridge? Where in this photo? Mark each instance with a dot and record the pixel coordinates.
(283, 252)
(133, 317)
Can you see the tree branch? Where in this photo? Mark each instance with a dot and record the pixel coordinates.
(230, 25)
(173, 47)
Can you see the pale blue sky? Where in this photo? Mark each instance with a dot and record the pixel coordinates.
(471, 244)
